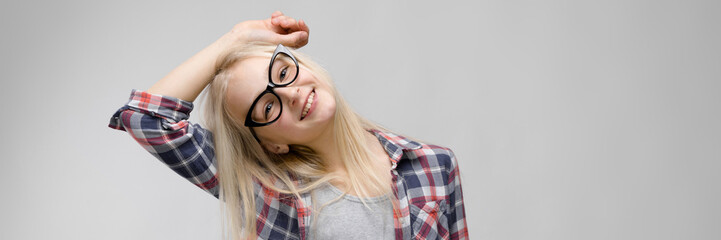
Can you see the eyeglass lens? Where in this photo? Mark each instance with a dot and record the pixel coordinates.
(283, 71)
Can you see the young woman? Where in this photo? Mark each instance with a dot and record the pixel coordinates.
(286, 155)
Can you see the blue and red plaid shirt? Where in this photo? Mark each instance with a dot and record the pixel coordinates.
(426, 180)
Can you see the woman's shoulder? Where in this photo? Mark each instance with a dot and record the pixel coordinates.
(416, 152)
(431, 154)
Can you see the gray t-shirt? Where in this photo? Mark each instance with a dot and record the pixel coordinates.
(348, 218)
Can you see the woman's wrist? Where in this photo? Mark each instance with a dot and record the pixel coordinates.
(228, 40)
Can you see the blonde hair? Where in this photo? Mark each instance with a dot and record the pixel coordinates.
(242, 161)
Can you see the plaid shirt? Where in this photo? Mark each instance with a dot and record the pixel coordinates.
(426, 180)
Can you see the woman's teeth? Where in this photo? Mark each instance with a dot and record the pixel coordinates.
(308, 104)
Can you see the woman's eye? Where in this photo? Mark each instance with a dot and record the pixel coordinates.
(268, 109)
(283, 73)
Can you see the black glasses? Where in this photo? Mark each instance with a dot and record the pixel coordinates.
(282, 71)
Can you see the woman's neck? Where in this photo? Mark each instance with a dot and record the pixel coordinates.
(329, 153)
(325, 146)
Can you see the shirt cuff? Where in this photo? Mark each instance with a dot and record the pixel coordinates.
(166, 107)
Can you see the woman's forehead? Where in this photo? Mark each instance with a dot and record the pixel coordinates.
(252, 67)
(248, 79)
(251, 74)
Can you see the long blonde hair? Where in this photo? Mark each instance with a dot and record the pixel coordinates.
(242, 162)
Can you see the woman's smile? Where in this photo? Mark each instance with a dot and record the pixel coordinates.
(309, 105)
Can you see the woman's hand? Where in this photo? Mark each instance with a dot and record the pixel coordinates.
(276, 29)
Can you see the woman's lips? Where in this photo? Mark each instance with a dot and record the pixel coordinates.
(309, 105)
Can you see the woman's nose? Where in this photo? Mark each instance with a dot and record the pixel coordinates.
(289, 95)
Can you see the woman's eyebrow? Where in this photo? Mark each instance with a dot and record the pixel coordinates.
(266, 72)
(267, 75)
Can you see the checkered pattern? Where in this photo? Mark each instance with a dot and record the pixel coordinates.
(427, 184)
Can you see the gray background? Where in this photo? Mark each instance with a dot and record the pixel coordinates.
(570, 119)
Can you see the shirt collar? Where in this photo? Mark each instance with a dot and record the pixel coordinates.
(395, 144)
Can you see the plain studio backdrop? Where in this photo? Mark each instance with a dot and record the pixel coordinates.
(570, 119)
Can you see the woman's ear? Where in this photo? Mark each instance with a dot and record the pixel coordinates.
(275, 148)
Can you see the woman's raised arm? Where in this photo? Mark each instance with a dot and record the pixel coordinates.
(188, 80)
(158, 118)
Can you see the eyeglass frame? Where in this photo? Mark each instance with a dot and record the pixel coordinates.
(249, 122)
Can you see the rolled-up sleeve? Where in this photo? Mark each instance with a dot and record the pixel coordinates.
(160, 125)
(456, 214)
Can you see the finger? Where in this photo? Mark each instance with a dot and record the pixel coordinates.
(292, 25)
(285, 24)
(303, 26)
(289, 23)
(283, 19)
(276, 14)
(279, 21)
(295, 39)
